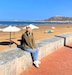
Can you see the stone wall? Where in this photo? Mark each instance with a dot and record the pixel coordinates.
(13, 61)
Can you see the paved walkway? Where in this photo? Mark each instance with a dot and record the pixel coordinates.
(57, 63)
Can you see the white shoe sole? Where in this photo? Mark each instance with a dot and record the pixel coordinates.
(36, 64)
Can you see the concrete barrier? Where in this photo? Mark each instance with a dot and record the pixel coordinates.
(13, 61)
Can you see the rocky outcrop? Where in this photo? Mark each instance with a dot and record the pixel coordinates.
(59, 18)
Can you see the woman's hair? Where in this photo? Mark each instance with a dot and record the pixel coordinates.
(28, 27)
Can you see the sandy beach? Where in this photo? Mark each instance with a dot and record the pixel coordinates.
(38, 34)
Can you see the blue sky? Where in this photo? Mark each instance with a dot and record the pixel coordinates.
(34, 9)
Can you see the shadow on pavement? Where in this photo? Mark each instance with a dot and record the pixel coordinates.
(64, 41)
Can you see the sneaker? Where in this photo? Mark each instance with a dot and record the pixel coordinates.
(36, 64)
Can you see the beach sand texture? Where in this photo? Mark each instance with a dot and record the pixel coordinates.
(38, 34)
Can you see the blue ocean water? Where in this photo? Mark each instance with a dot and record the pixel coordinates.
(21, 23)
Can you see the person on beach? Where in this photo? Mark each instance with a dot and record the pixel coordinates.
(28, 44)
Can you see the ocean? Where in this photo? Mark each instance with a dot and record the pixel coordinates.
(23, 23)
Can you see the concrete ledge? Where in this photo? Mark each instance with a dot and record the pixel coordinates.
(14, 60)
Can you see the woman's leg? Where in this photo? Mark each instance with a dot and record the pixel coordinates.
(34, 53)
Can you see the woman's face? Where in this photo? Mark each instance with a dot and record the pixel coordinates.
(28, 29)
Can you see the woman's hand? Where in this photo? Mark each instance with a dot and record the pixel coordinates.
(34, 48)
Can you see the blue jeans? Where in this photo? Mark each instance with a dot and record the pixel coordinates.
(34, 53)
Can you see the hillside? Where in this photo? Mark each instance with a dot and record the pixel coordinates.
(58, 18)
